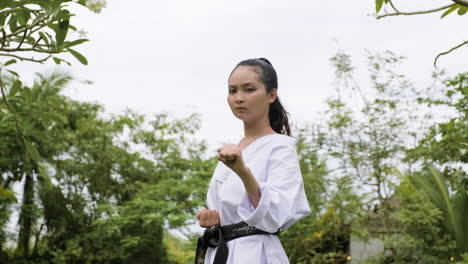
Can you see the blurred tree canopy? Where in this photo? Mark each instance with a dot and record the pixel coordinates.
(88, 195)
(34, 31)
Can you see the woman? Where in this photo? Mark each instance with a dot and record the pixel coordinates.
(257, 187)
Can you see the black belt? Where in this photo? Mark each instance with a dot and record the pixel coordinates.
(217, 236)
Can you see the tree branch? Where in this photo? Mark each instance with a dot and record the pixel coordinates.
(31, 49)
(26, 59)
(22, 39)
(4, 37)
(393, 6)
(448, 51)
(37, 42)
(398, 13)
(43, 18)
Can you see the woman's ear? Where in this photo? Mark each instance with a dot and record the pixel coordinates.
(272, 95)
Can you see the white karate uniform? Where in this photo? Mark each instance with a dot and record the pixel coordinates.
(273, 161)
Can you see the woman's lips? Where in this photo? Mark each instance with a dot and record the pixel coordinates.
(241, 108)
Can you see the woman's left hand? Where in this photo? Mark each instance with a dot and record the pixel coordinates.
(231, 156)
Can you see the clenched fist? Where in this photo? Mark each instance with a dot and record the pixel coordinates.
(231, 156)
(208, 218)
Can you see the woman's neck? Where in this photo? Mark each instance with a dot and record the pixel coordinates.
(257, 129)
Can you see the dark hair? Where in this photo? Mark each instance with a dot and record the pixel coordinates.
(277, 114)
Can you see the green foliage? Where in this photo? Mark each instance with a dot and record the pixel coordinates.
(420, 237)
(178, 250)
(323, 236)
(89, 196)
(445, 145)
(360, 148)
(42, 27)
(452, 206)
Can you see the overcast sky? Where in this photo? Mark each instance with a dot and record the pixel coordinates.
(175, 56)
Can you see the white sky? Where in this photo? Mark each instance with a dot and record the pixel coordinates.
(175, 56)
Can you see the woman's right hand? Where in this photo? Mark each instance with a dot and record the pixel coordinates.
(208, 218)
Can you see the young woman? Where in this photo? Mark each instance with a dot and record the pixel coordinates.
(257, 187)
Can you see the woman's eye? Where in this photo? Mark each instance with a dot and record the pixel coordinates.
(231, 91)
(250, 89)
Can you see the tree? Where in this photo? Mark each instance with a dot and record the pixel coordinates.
(461, 6)
(34, 31)
(97, 189)
(444, 146)
(40, 28)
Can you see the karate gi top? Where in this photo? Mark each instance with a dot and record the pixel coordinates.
(273, 161)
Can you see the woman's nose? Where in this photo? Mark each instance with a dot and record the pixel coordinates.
(239, 98)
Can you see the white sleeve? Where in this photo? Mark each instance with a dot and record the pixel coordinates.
(211, 200)
(283, 200)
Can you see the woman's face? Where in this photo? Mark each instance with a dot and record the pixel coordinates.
(247, 95)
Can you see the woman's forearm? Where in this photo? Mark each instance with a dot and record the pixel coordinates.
(251, 186)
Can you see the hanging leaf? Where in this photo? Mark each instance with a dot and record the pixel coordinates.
(378, 5)
(15, 88)
(57, 60)
(74, 43)
(450, 10)
(61, 32)
(9, 62)
(13, 23)
(78, 56)
(26, 92)
(23, 16)
(462, 10)
(13, 72)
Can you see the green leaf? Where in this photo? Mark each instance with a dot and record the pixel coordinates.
(63, 15)
(23, 17)
(67, 62)
(31, 151)
(44, 37)
(7, 194)
(30, 39)
(465, 91)
(78, 56)
(75, 42)
(3, 19)
(57, 60)
(61, 32)
(9, 62)
(26, 92)
(15, 88)
(450, 10)
(13, 23)
(378, 5)
(462, 10)
(13, 72)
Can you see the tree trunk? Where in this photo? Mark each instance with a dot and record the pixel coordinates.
(26, 218)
